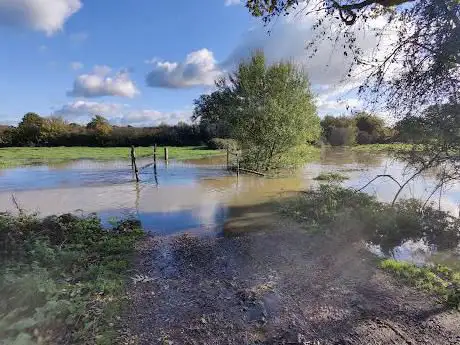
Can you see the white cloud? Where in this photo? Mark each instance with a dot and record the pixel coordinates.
(76, 65)
(81, 111)
(232, 2)
(328, 69)
(48, 16)
(99, 83)
(199, 69)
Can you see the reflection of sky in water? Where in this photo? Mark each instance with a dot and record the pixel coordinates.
(91, 173)
(207, 220)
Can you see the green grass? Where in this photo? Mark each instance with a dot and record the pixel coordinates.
(17, 156)
(62, 278)
(439, 280)
(331, 177)
(396, 147)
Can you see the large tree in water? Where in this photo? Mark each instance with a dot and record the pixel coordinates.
(268, 109)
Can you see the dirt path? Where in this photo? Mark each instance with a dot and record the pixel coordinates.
(277, 285)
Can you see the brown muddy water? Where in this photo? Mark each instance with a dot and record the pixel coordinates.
(200, 197)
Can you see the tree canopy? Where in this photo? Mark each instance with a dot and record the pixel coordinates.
(269, 110)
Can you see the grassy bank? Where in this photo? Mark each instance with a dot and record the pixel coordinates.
(352, 216)
(17, 156)
(62, 278)
(439, 280)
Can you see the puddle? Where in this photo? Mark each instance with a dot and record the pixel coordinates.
(199, 196)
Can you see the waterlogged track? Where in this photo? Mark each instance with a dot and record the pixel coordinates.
(276, 285)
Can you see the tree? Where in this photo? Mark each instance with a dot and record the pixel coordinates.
(53, 128)
(425, 53)
(268, 109)
(29, 129)
(100, 125)
(370, 128)
(339, 131)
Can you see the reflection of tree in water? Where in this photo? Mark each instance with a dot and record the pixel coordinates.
(394, 226)
(343, 155)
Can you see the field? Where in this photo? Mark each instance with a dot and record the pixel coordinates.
(17, 156)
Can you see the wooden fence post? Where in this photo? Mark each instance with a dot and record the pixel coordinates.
(133, 163)
(166, 155)
(155, 154)
(228, 158)
(237, 166)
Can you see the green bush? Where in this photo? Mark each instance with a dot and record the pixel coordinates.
(222, 144)
(61, 278)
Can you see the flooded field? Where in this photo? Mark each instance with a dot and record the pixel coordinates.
(200, 196)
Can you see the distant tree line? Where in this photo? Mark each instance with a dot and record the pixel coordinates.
(35, 130)
(360, 128)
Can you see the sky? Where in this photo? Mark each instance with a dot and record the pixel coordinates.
(143, 62)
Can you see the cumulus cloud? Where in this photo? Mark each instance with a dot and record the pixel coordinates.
(99, 83)
(48, 16)
(81, 111)
(199, 69)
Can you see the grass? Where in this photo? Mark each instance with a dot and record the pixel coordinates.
(62, 278)
(439, 280)
(17, 156)
(331, 177)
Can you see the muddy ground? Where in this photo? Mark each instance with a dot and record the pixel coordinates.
(274, 285)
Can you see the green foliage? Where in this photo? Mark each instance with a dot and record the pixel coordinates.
(269, 110)
(35, 130)
(29, 129)
(223, 144)
(61, 278)
(100, 125)
(331, 177)
(360, 128)
(332, 207)
(438, 279)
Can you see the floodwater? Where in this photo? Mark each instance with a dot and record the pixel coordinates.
(200, 196)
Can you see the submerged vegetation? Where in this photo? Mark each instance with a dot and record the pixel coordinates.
(332, 208)
(337, 211)
(439, 280)
(62, 278)
(16, 156)
(331, 177)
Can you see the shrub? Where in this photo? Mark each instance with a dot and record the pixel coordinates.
(61, 278)
(222, 144)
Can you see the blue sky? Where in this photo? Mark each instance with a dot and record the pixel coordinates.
(142, 62)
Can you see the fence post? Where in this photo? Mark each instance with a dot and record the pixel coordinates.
(166, 155)
(237, 166)
(228, 158)
(133, 163)
(155, 154)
